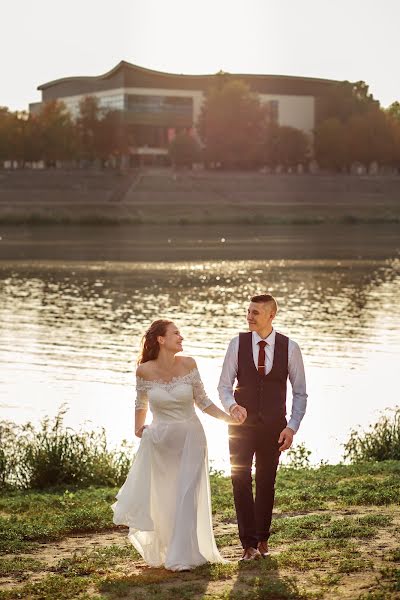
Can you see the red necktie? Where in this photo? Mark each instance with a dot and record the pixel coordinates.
(261, 357)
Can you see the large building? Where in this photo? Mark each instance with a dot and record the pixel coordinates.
(157, 105)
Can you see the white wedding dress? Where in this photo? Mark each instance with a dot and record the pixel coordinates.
(165, 500)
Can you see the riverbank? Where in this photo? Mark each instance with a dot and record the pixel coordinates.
(162, 197)
(335, 535)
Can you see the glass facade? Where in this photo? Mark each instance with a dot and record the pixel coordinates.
(112, 102)
(72, 106)
(175, 105)
(140, 104)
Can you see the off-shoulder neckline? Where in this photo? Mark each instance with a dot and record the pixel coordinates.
(162, 382)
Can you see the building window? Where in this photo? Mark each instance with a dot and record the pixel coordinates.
(273, 109)
(112, 102)
(159, 104)
(72, 106)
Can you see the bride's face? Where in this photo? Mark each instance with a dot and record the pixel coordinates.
(172, 340)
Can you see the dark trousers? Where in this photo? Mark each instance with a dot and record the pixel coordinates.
(253, 514)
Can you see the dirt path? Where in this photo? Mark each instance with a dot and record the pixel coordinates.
(321, 581)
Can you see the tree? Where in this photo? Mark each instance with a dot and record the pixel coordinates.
(52, 135)
(101, 133)
(285, 145)
(396, 144)
(112, 136)
(346, 99)
(394, 110)
(7, 130)
(330, 144)
(364, 138)
(56, 131)
(88, 127)
(28, 138)
(232, 124)
(184, 150)
(25, 143)
(370, 138)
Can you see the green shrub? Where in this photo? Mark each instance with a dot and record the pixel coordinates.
(57, 456)
(380, 442)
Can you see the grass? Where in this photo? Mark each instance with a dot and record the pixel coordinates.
(51, 587)
(315, 550)
(49, 516)
(97, 561)
(316, 554)
(331, 524)
(339, 486)
(19, 566)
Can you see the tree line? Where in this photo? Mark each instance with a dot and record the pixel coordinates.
(235, 130)
(53, 135)
(238, 131)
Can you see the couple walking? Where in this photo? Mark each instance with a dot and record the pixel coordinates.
(165, 500)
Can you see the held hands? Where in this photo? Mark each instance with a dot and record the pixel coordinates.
(285, 439)
(238, 414)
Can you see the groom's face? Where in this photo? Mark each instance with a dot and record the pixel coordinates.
(259, 315)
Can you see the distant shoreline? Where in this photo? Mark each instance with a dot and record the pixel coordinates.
(51, 217)
(162, 197)
(171, 243)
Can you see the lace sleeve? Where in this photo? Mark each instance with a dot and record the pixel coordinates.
(201, 399)
(141, 394)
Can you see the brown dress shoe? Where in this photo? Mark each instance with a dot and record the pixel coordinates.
(250, 554)
(263, 549)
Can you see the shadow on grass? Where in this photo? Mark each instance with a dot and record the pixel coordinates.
(256, 580)
(260, 580)
(157, 583)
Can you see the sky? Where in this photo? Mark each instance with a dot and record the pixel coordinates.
(333, 39)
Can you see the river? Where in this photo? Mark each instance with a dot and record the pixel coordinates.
(71, 325)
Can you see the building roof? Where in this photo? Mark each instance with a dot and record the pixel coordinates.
(123, 64)
(126, 74)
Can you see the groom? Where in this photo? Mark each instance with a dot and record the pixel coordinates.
(261, 361)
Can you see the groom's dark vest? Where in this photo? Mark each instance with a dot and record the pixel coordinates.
(263, 396)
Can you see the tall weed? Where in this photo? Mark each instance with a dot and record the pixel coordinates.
(380, 442)
(54, 455)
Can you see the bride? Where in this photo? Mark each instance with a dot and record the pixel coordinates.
(165, 500)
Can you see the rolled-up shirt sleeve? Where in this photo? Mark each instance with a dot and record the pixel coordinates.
(297, 379)
(228, 375)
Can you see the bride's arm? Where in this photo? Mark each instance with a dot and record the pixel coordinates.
(141, 404)
(140, 417)
(216, 412)
(203, 401)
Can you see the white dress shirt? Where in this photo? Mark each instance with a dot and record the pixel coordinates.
(295, 368)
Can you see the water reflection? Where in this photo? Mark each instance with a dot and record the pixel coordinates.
(71, 334)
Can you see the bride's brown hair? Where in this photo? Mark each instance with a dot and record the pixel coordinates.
(150, 346)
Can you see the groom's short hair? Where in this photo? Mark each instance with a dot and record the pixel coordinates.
(266, 299)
